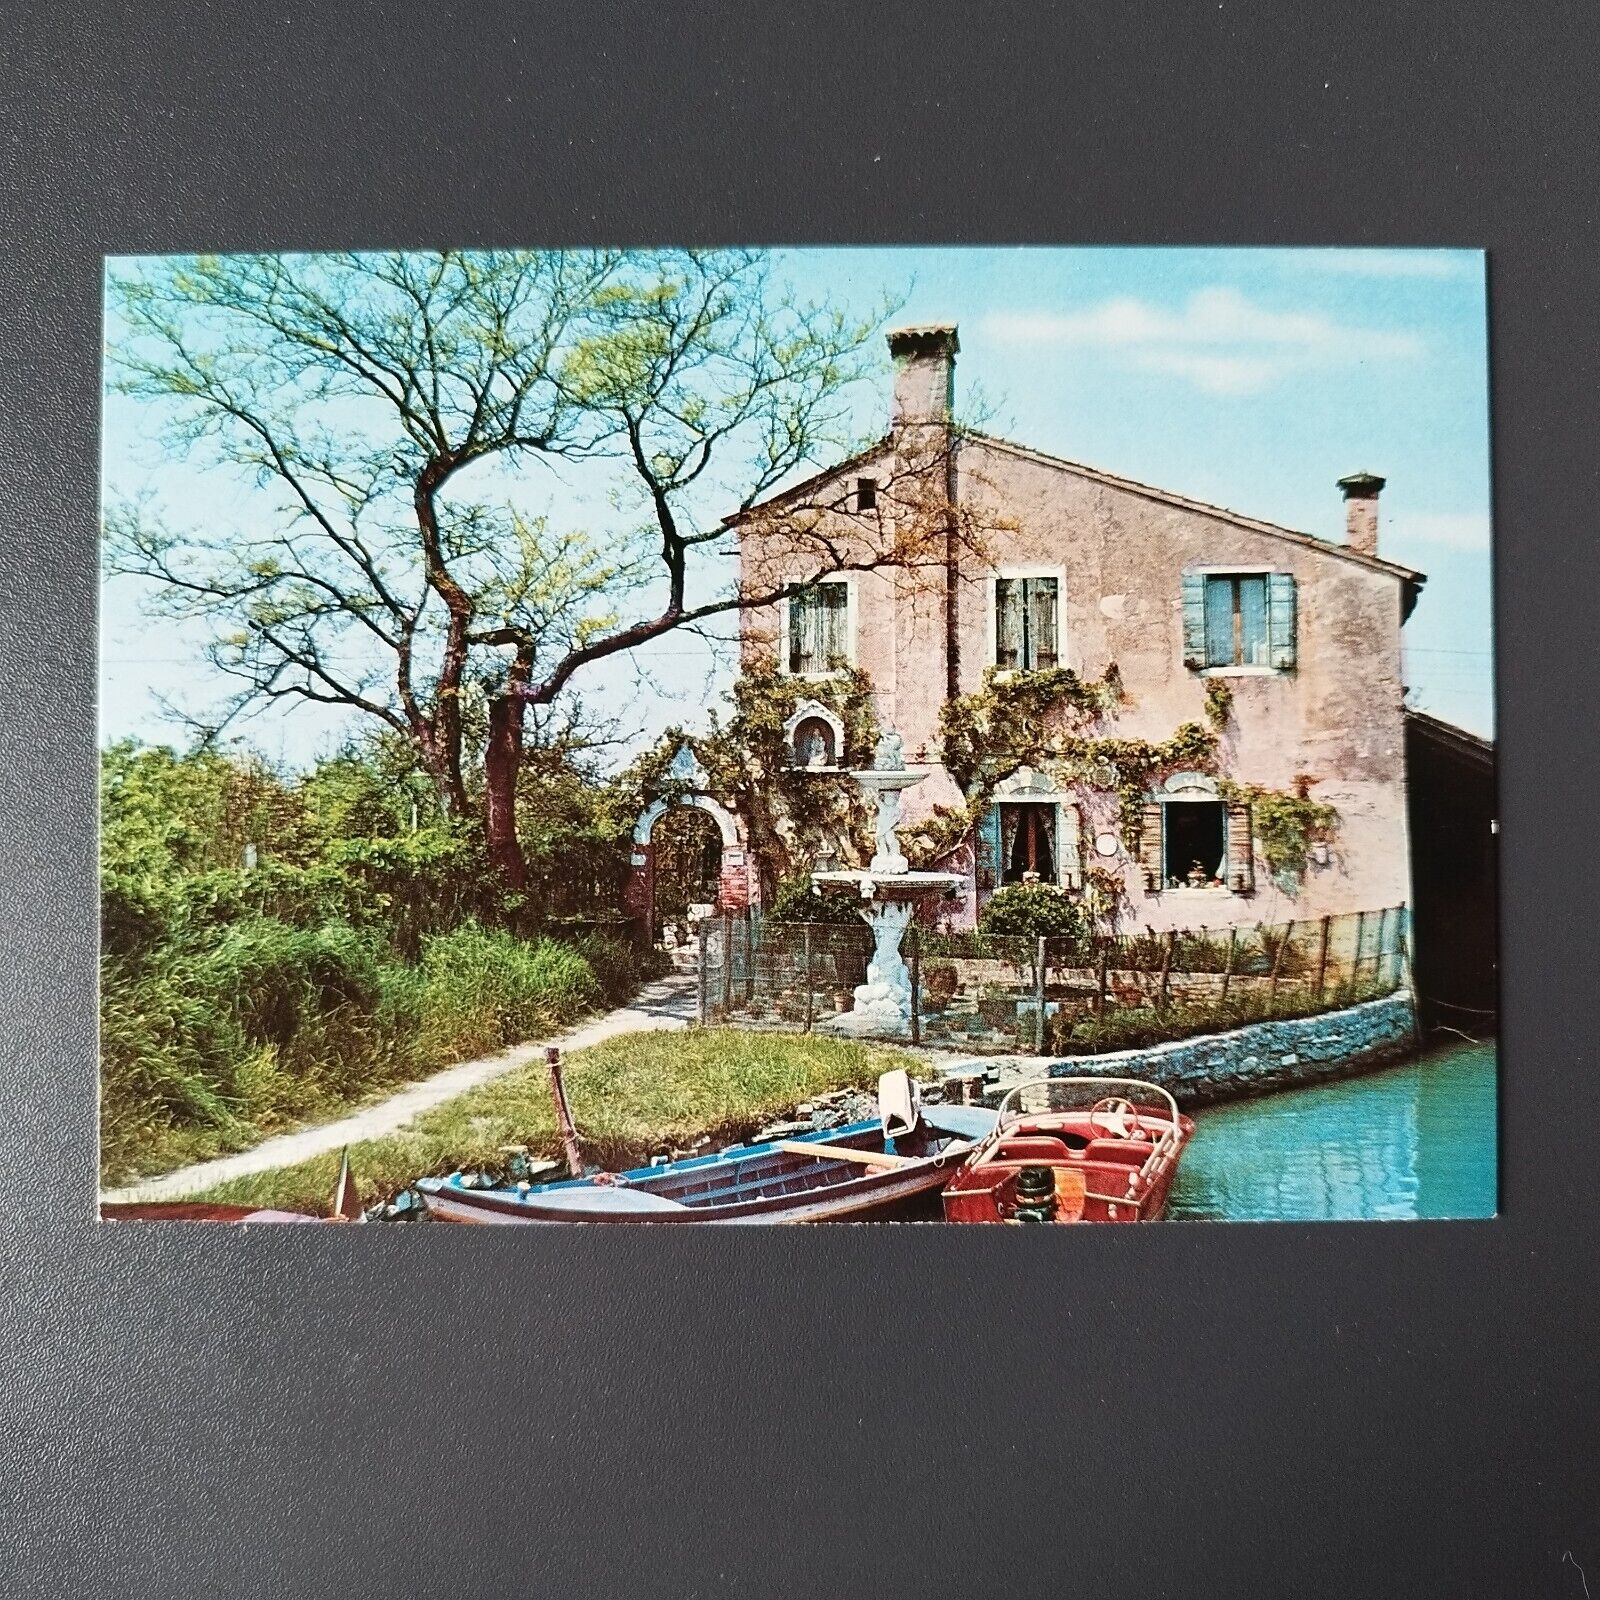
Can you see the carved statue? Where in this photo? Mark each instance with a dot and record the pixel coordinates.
(888, 820)
(889, 755)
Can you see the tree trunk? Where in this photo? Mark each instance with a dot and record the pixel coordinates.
(502, 764)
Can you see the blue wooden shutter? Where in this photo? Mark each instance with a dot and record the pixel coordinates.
(1281, 619)
(986, 851)
(1194, 620)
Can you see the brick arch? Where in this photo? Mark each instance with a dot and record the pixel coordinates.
(739, 886)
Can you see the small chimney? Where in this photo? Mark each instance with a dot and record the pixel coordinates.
(924, 372)
(1361, 491)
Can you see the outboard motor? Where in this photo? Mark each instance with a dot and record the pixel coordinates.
(899, 1105)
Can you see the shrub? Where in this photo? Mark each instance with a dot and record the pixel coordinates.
(799, 900)
(1037, 909)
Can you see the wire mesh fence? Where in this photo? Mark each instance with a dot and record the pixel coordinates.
(1002, 993)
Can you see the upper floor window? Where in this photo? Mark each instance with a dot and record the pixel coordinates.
(1236, 619)
(819, 638)
(866, 494)
(1026, 624)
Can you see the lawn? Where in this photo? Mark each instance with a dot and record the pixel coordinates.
(631, 1097)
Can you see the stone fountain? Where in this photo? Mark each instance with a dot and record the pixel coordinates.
(890, 892)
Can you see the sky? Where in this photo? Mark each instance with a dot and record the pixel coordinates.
(1246, 378)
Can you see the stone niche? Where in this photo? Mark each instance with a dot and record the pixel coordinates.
(814, 738)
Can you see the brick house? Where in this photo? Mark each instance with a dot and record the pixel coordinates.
(1093, 569)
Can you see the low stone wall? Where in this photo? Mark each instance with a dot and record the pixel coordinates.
(1244, 1061)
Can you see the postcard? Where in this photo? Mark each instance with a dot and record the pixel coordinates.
(666, 736)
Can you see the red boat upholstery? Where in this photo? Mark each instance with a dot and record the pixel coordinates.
(1034, 1148)
(1130, 1152)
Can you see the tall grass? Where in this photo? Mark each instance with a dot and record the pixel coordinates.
(212, 1049)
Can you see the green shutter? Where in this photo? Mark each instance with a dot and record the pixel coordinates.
(986, 851)
(1281, 619)
(1194, 620)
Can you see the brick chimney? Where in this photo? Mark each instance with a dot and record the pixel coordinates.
(924, 372)
(1361, 491)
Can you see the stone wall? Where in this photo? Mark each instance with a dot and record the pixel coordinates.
(1245, 1061)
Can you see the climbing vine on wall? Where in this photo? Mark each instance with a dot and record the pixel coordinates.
(1047, 718)
(1285, 825)
(1219, 703)
(792, 815)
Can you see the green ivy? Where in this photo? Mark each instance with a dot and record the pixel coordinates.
(792, 815)
(1219, 703)
(1022, 719)
(1286, 825)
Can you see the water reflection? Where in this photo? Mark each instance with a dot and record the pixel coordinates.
(1414, 1141)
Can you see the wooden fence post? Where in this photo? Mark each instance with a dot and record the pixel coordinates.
(916, 984)
(1277, 963)
(810, 996)
(749, 958)
(727, 963)
(1100, 997)
(1355, 959)
(1322, 959)
(703, 997)
(1038, 995)
(1166, 969)
(1227, 970)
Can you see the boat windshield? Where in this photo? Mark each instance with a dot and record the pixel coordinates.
(1117, 1108)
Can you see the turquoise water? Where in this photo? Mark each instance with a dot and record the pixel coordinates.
(1414, 1141)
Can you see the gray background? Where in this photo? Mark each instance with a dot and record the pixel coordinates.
(1337, 1410)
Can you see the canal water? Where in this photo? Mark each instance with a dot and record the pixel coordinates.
(1416, 1140)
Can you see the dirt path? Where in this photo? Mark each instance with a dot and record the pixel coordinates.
(666, 1003)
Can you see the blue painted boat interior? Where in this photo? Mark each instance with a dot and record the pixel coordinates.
(722, 1178)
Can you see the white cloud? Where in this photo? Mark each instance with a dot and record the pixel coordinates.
(1220, 340)
(1459, 530)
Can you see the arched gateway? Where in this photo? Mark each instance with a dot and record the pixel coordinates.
(735, 889)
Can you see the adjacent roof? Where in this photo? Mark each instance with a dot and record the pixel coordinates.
(1408, 576)
(1473, 746)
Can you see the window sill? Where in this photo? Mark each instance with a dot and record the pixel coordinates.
(815, 677)
(1242, 672)
(1208, 892)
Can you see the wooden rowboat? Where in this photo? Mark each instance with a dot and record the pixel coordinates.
(839, 1173)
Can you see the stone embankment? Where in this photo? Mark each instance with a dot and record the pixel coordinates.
(1255, 1059)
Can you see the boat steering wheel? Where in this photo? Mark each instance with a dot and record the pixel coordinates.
(1114, 1117)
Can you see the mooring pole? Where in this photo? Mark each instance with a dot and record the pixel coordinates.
(1100, 996)
(569, 1133)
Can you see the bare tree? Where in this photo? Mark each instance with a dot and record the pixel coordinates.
(401, 432)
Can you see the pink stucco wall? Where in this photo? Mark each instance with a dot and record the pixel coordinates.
(1121, 553)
